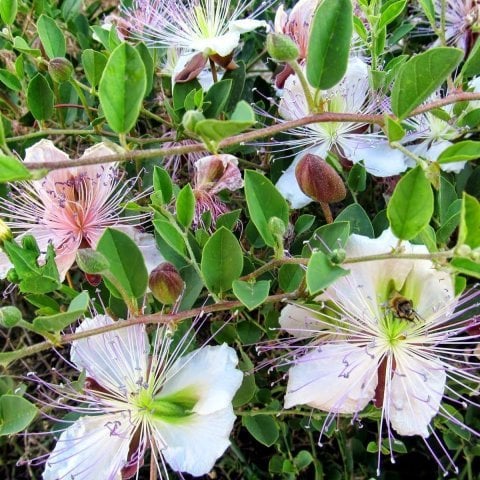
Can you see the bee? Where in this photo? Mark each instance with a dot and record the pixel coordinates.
(403, 307)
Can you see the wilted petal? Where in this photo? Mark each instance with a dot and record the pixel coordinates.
(194, 444)
(337, 378)
(117, 360)
(215, 173)
(415, 395)
(93, 447)
(208, 374)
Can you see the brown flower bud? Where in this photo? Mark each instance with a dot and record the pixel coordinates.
(319, 180)
(60, 69)
(166, 283)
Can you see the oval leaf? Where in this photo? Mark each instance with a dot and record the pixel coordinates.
(321, 272)
(40, 97)
(222, 260)
(12, 169)
(185, 206)
(16, 413)
(251, 294)
(461, 151)
(122, 88)
(411, 206)
(51, 36)
(127, 265)
(264, 202)
(421, 76)
(329, 43)
(263, 428)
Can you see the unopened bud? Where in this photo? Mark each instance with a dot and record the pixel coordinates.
(277, 226)
(166, 283)
(190, 119)
(463, 251)
(10, 316)
(92, 262)
(60, 69)
(281, 47)
(319, 180)
(338, 256)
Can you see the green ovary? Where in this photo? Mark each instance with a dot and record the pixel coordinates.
(171, 408)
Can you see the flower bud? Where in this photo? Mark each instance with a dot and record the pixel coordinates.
(338, 256)
(92, 262)
(319, 180)
(60, 69)
(166, 283)
(10, 316)
(281, 47)
(190, 119)
(277, 226)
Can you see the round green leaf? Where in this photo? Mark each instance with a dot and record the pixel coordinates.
(16, 413)
(122, 88)
(411, 206)
(263, 428)
(222, 260)
(40, 97)
(51, 36)
(251, 294)
(321, 272)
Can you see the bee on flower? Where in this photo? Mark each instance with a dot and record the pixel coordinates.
(391, 332)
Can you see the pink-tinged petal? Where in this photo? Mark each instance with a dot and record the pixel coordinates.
(194, 444)
(93, 447)
(280, 21)
(116, 360)
(65, 256)
(215, 173)
(416, 392)
(336, 378)
(299, 321)
(209, 374)
(96, 171)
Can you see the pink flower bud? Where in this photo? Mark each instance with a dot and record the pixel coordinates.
(166, 283)
(319, 180)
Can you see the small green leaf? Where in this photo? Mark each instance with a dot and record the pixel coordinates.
(171, 236)
(8, 11)
(94, 64)
(22, 46)
(469, 232)
(461, 151)
(264, 201)
(262, 428)
(358, 219)
(252, 295)
(411, 206)
(16, 414)
(290, 277)
(40, 97)
(429, 9)
(321, 272)
(389, 14)
(12, 170)
(329, 43)
(59, 321)
(162, 183)
(10, 80)
(217, 97)
(471, 67)
(328, 238)
(421, 76)
(222, 260)
(185, 206)
(393, 129)
(127, 265)
(122, 88)
(466, 266)
(357, 178)
(51, 36)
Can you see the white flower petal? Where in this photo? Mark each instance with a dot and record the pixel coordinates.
(378, 157)
(415, 395)
(93, 447)
(247, 25)
(210, 373)
(288, 186)
(117, 360)
(223, 44)
(337, 378)
(299, 321)
(194, 444)
(436, 148)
